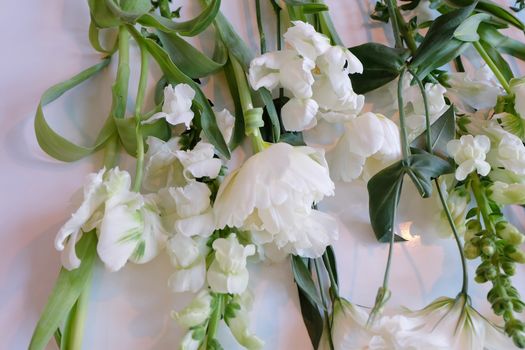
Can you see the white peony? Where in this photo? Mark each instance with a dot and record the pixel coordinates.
(128, 229)
(303, 38)
(228, 273)
(188, 256)
(272, 194)
(469, 153)
(370, 143)
(176, 108)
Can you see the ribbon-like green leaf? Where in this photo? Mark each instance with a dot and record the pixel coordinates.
(129, 10)
(312, 318)
(304, 280)
(497, 11)
(500, 42)
(381, 64)
(172, 73)
(95, 41)
(101, 15)
(307, 7)
(188, 28)
(384, 188)
(498, 59)
(238, 128)
(441, 132)
(468, 30)
(53, 143)
(188, 59)
(126, 130)
(447, 53)
(68, 287)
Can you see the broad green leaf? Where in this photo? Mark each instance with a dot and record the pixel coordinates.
(312, 318)
(468, 30)
(440, 33)
(331, 259)
(129, 10)
(304, 280)
(243, 55)
(499, 12)
(188, 59)
(500, 42)
(447, 53)
(53, 143)
(498, 59)
(381, 64)
(173, 74)
(67, 289)
(127, 132)
(238, 128)
(384, 188)
(188, 28)
(442, 131)
(101, 15)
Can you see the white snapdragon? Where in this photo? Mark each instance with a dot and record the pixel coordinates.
(188, 256)
(176, 108)
(228, 273)
(127, 224)
(415, 108)
(239, 324)
(507, 150)
(469, 153)
(197, 312)
(272, 194)
(225, 122)
(458, 205)
(517, 87)
(370, 142)
(316, 75)
(475, 89)
(507, 194)
(199, 161)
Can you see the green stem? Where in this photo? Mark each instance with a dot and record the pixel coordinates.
(464, 287)
(262, 36)
(427, 113)
(141, 91)
(326, 315)
(252, 116)
(333, 283)
(215, 318)
(74, 341)
(392, 7)
(405, 147)
(120, 88)
(111, 151)
(501, 78)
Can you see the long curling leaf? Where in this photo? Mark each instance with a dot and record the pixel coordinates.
(55, 144)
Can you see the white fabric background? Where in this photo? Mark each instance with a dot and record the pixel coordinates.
(45, 42)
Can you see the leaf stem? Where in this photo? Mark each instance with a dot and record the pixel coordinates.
(405, 147)
(427, 113)
(120, 87)
(252, 116)
(262, 36)
(333, 282)
(501, 78)
(392, 7)
(74, 341)
(141, 91)
(464, 287)
(215, 318)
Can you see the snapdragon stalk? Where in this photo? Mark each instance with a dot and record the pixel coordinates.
(214, 321)
(252, 116)
(141, 91)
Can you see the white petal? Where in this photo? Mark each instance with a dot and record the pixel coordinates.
(299, 115)
(306, 41)
(200, 225)
(190, 279)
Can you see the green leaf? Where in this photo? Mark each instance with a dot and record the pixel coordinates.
(468, 30)
(441, 132)
(500, 12)
(129, 10)
(306, 7)
(53, 143)
(381, 64)
(447, 53)
(173, 74)
(188, 59)
(188, 28)
(101, 15)
(328, 28)
(68, 288)
(440, 33)
(238, 128)
(498, 59)
(384, 188)
(331, 259)
(500, 42)
(304, 280)
(312, 319)
(95, 42)
(244, 55)
(126, 129)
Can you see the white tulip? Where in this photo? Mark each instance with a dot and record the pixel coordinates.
(370, 142)
(299, 114)
(469, 153)
(274, 191)
(303, 38)
(188, 256)
(228, 273)
(176, 108)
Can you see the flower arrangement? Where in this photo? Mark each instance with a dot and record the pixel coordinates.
(449, 118)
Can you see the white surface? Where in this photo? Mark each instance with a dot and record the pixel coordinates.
(45, 42)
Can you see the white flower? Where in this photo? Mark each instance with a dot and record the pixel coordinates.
(476, 89)
(273, 191)
(517, 87)
(299, 114)
(507, 151)
(349, 331)
(239, 325)
(197, 312)
(176, 108)
(225, 122)
(228, 273)
(188, 343)
(457, 326)
(187, 210)
(286, 68)
(458, 205)
(199, 161)
(303, 38)
(415, 108)
(507, 194)
(469, 153)
(127, 229)
(188, 256)
(423, 11)
(370, 142)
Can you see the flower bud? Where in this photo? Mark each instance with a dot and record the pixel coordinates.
(480, 279)
(471, 251)
(518, 256)
(509, 268)
(509, 233)
(488, 247)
